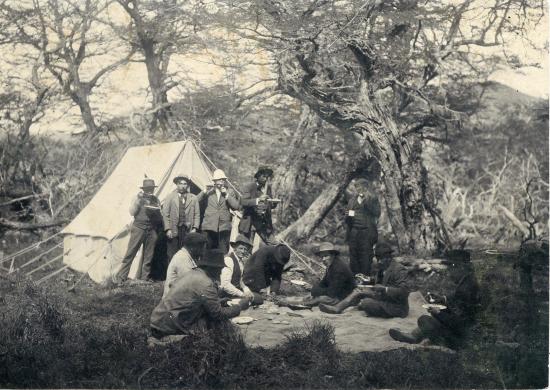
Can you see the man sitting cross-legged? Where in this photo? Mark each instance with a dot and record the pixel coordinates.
(337, 283)
(192, 303)
(388, 299)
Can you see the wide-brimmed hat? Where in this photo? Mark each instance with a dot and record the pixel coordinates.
(181, 176)
(212, 258)
(218, 175)
(327, 247)
(282, 254)
(148, 183)
(263, 169)
(241, 239)
(382, 249)
(194, 239)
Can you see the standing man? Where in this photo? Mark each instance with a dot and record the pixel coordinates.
(185, 259)
(362, 234)
(231, 279)
(216, 222)
(257, 208)
(265, 268)
(192, 303)
(181, 214)
(145, 209)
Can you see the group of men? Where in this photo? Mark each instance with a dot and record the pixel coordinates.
(206, 270)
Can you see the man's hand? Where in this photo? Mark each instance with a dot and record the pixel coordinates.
(433, 310)
(169, 233)
(263, 198)
(210, 190)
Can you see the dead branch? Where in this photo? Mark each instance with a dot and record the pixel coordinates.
(515, 221)
(31, 196)
(14, 225)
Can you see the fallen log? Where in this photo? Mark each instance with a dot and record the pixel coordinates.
(30, 226)
(515, 221)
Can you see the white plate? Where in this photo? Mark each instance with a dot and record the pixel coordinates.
(234, 302)
(242, 320)
(434, 305)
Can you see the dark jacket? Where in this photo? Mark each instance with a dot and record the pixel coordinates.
(143, 217)
(191, 299)
(217, 216)
(262, 268)
(251, 218)
(462, 303)
(366, 214)
(396, 280)
(171, 212)
(338, 281)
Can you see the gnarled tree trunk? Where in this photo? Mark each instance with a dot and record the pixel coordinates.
(287, 174)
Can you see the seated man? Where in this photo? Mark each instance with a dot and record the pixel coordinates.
(231, 280)
(185, 259)
(388, 299)
(448, 326)
(192, 303)
(337, 283)
(265, 268)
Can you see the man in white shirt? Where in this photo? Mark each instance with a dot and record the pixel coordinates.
(231, 282)
(185, 259)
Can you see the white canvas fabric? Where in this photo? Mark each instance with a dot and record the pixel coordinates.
(96, 240)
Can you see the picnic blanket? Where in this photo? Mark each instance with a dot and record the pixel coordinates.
(354, 331)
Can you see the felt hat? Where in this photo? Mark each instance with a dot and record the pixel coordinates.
(382, 249)
(282, 254)
(327, 247)
(181, 176)
(212, 258)
(241, 239)
(218, 175)
(194, 239)
(148, 183)
(361, 181)
(264, 169)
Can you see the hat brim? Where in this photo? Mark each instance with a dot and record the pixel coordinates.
(333, 251)
(148, 187)
(269, 171)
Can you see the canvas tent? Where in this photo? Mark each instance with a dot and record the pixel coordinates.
(96, 240)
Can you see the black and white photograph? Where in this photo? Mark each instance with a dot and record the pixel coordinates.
(274, 194)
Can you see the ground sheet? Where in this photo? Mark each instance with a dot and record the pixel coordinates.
(355, 332)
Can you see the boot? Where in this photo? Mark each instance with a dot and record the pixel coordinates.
(412, 338)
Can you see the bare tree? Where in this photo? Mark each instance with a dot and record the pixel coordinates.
(70, 43)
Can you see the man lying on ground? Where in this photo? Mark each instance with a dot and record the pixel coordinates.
(388, 299)
(337, 283)
(192, 303)
(185, 259)
(265, 268)
(231, 279)
(448, 326)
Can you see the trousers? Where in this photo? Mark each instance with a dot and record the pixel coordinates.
(175, 244)
(138, 236)
(361, 252)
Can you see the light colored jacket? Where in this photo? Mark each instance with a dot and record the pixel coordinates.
(217, 215)
(181, 263)
(171, 212)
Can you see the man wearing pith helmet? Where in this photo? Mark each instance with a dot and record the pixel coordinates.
(181, 214)
(218, 201)
(145, 209)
